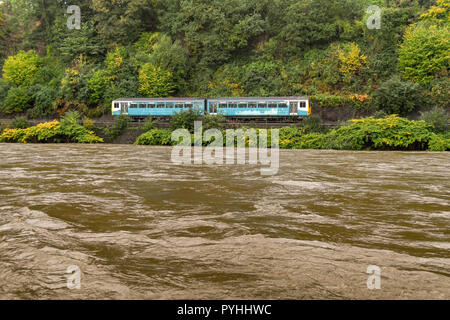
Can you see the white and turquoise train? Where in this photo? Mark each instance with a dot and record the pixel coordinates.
(229, 107)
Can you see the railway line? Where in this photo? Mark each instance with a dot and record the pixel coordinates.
(164, 122)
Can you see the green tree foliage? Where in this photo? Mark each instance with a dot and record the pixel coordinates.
(97, 86)
(437, 118)
(397, 96)
(425, 52)
(213, 29)
(155, 82)
(17, 100)
(43, 98)
(186, 120)
(320, 48)
(23, 68)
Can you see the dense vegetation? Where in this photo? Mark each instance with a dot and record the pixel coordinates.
(388, 133)
(320, 48)
(66, 131)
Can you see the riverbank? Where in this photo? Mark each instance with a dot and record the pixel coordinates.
(391, 133)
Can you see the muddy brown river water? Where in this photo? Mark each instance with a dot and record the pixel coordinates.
(140, 227)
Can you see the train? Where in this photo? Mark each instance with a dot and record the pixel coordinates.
(264, 107)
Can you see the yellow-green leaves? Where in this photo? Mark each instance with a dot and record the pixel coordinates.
(23, 68)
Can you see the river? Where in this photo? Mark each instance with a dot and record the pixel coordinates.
(139, 227)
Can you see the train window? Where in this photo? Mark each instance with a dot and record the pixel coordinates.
(142, 106)
(232, 105)
(188, 105)
(198, 105)
(303, 104)
(170, 105)
(242, 105)
(116, 106)
(179, 106)
(133, 106)
(252, 105)
(222, 105)
(282, 105)
(161, 105)
(272, 104)
(151, 105)
(262, 105)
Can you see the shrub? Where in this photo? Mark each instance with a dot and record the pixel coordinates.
(396, 96)
(20, 123)
(120, 125)
(390, 133)
(4, 88)
(439, 143)
(88, 123)
(156, 137)
(211, 121)
(22, 69)
(425, 52)
(437, 118)
(149, 124)
(51, 132)
(185, 120)
(313, 124)
(43, 98)
(17, 100)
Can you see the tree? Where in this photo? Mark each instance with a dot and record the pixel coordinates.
(397, 96)
(17, 100)
(425, 52)
(155, 82)
(23, 68)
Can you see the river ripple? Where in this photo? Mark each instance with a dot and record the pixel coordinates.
(140, 227)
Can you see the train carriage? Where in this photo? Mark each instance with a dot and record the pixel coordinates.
(156, 107)
(260, 107)
(248, 107)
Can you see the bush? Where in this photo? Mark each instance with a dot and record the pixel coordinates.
(390, 133)
(437, 118)
(439, 143)
(20, 123)
(156, 137)
(150, 124)
(4, 88)
(88, 123)
(396, 96)
(66, 131)
(211, 121)
(22, 69)
(43, 98)
(313, 124)
(121, 124)
(17, 100)
(185, 120)
(424, 53)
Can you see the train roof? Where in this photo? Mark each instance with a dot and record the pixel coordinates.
(212, 99)
(157, 99)
(257, 98)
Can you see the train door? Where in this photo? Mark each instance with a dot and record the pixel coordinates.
(124, 108)
(213, 107)
(293, 107)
